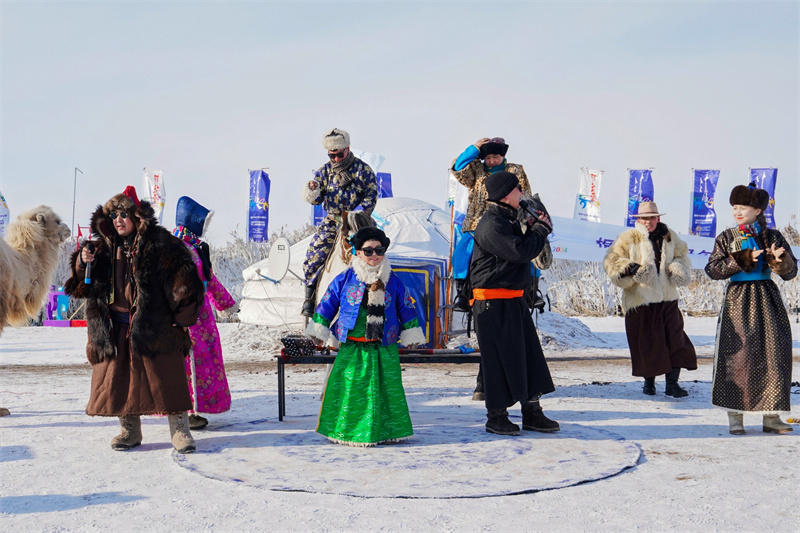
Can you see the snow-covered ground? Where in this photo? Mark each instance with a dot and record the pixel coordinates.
(58, 473)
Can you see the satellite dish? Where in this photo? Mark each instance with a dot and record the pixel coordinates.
(278, 261)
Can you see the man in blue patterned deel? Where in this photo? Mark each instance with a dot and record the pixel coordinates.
(343, 184)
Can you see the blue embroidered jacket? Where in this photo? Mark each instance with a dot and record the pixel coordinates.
(345, 294)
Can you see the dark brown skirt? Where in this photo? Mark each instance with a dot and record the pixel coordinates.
(753, 357)
(138, 385)
(657, 341)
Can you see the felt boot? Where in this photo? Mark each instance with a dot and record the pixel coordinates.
(735, 423)
(182, 439)
(131, 434)
(498, 423)
(649, 387)
(673, 389)
(461, 302)
(774, 424)
(197, 422)
(309, 304)
(534, 419)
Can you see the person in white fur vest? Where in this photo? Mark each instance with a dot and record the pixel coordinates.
(649, 262)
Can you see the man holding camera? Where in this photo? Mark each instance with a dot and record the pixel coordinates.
(649, 262)
(512, 362)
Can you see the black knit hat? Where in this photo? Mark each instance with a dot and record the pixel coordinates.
(496, 145)
(499, 184)
(370, 233)
(750, 196)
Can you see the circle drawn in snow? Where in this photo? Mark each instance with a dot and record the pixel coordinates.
(448, 457)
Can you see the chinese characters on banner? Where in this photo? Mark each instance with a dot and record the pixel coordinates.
(703, 220)
(258, 213)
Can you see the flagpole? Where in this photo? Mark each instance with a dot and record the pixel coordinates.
(74, 190)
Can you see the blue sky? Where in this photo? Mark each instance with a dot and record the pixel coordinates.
(206, 91)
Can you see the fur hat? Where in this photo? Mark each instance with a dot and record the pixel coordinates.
(496, 145)
(750, 195)
(336, 139)
(192, 216)
(370, 233)
(127, 201)
(499, 184)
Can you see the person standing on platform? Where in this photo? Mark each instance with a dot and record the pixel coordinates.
(208, 377)
(753, 355)
(649, 262)
(512, 361)
(341, 185)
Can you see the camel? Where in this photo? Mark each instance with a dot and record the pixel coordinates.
(28, 258)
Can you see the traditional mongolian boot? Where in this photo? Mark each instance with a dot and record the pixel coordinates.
(182, 439)
(131, 434)
(499, 423)
(673, 389)
(534, 419)
(774, 424)
(736, 423)
(197, 422)
(649, 387)
(310, 301)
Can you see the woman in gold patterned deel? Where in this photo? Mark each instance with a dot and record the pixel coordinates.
(753, 355)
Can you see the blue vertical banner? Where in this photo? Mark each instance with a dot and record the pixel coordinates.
(384, 191)
(765, 178)
(703, 222)
(258, 214)
(640, 189)
(384, 184)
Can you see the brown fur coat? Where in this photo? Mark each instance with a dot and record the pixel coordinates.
(169, 292)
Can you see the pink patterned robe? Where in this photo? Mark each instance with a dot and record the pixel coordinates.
(212, 384)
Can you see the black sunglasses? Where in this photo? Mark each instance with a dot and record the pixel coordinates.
(334, 155)
(380, 250)
(122, 214)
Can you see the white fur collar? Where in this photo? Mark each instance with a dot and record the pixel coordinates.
(368, 274)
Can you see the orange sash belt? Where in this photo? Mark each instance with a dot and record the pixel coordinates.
(495, 294)
(362, 339)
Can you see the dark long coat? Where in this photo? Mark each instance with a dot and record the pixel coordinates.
(138, 368)
(514, 368)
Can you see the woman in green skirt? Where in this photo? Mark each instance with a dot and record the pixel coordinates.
(364, 402)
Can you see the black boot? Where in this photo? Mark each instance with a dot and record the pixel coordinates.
(478, 395)
(649, 386)
(499, 423)
(461, 302)
(534, 419)
(310, 301)
(673, 389)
